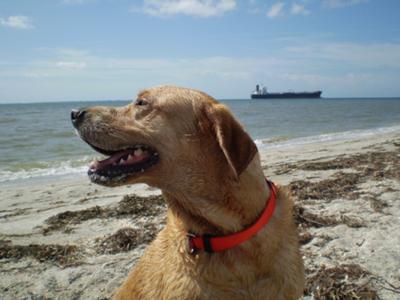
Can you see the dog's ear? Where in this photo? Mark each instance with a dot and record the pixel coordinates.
(236, 145)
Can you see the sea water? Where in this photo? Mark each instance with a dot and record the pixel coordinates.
(38, 140)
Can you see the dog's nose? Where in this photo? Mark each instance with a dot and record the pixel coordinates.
(77, 116)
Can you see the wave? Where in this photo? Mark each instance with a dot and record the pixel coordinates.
(79, 165)
(272, 140)
(335, 136)
(43, 169)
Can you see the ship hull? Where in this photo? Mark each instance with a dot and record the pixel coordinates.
(288, 95)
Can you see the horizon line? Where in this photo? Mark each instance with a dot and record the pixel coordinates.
(219, 99)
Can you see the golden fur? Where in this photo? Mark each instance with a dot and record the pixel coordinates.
(211, 178)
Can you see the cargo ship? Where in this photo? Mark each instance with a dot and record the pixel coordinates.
(262, 93)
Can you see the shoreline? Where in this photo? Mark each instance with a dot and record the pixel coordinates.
(68, 237)
(265, 145)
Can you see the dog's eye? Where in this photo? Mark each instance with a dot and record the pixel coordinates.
(141, 102)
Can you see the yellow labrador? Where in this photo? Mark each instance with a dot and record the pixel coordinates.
(208, 168)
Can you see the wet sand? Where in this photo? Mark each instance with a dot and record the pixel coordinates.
(67, 238)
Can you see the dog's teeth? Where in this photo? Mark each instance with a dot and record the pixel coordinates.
(138, 152)
(155, 154)
(122, 161)
(94, 164)
(142, 170)
(129, 157)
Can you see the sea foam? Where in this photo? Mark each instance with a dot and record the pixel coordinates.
(56, 169)
(79, 166)
(336, 136)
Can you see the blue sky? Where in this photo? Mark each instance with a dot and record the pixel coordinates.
(61, 50)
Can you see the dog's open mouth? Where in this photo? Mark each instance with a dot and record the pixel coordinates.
(122, 163)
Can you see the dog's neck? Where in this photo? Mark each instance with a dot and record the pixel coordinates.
(231, 207)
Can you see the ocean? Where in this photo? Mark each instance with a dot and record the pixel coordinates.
(38, 140)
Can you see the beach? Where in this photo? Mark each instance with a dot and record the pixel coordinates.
(105, 90)
(65, 238)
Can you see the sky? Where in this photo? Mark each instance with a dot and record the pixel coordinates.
(67, 50)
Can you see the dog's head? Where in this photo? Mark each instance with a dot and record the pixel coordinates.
(168, 136)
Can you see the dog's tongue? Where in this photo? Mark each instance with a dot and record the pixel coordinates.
(122, 158)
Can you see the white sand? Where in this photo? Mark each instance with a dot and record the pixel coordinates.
(25, 205)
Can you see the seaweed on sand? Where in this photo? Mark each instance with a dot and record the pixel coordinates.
(376, 204)
(130, 205)
(135, 205)
(63, 255)
(349, 281)
(376, 165)
(306, 219)
(62, 220)
(126, 239)
(341, 185)
(305, 237)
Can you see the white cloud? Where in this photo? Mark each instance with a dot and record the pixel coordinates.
(298, 9)
(71, 65)
(342, 3)
(19, 22)
(339, 69)
(276, 10)
(198, 8)
(364, 56)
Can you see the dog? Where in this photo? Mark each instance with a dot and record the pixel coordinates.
(190, 146)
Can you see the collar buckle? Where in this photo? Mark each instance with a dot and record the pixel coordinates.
(191, 246)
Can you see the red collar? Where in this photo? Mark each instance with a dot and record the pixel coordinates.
(211, 244)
